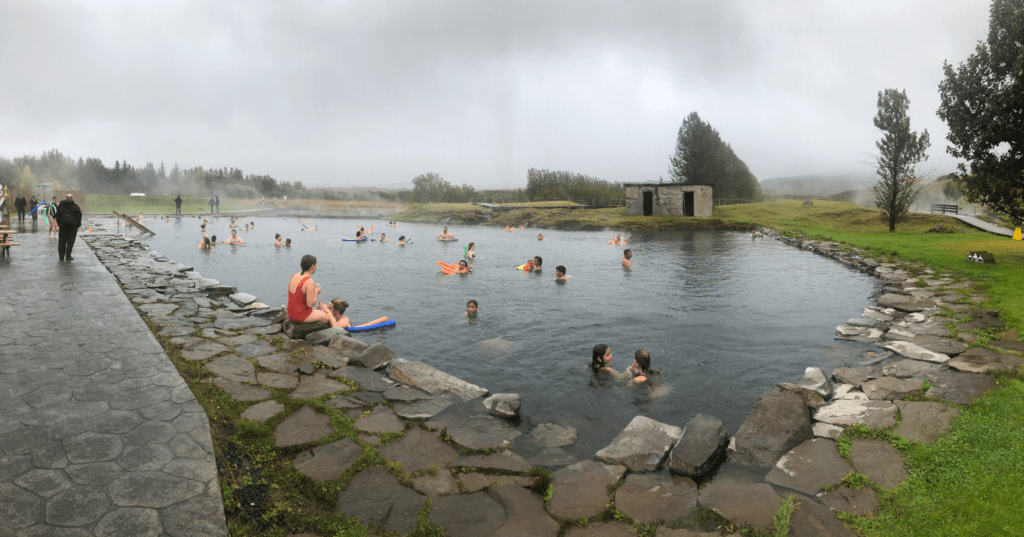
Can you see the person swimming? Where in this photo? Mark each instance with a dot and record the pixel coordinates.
(471, 308)
(277, 240)
(336, 312)
(560, 273)
(618, 239)
(600, 361)
(287, 243)
(401, 240)
(464, 267)
(205, 243)
(540, 236)
(537, 262)
(445, 236)
(469, 250)
(382, 239)
(213, 240)
(641, 370)
(233, 239)
(627, 254)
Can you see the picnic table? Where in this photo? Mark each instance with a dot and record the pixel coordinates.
(6, 241)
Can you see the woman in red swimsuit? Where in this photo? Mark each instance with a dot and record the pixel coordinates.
(302, 294)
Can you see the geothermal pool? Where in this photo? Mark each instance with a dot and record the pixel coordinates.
(724, 317)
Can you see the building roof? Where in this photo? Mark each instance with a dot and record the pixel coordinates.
(660, 184)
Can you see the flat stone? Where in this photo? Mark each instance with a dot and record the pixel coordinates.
(472, 428)
(874, 414)
(301, 330)
(503, 405)
(324, 337)
(419, 450)
(405, 394)
(958, 387)
(367, 380)
(650, 498)
(175, 331)
(601, 529)
(905, 369)
(233, 341)
(202, 350)
(77, 506)
(777, 423)
(642, 446)
(325, 356)
(553, 435)
(581, 490)
(130, 521)
(281, 362)
(899, 334)
(313, 387)
(808, 466)
(879, 461)
(343, 402)
(812, 519)
(242, 392)
(701, 445)
(904, 302)
(914, 352)
(92, 447)
(236, 323)
(422, 376)
(924, 422)
(381, 420)
(256, 349)
(474, 482)
(423, 410)
(242, 299)
(96, 474)
(307, 368)
(891, 388)
(537, 454)
(502, 460)
(376, 498)
(813, 399)
(1013, 346)
(741, 497)
(233, 368)
(826, 430)
(524, 513)
(467, 515)
(283, 381)
(152, 489)
(302, 426)
(370, 398)
(346, 346)
(46, 483)
(263, 411)
(669, 532)
(979, 360)
(329, 461)
(930, 329)
(940, 345)
(857, 502)
(855, 375)
(439, 484)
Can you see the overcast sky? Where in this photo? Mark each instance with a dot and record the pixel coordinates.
(373, 93)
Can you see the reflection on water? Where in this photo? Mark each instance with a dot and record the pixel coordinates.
(724, 317)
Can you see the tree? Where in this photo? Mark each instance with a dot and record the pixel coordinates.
(900, 151)
(702, 158)
(983, 105)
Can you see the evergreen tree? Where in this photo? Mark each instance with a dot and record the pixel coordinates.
(900, 150)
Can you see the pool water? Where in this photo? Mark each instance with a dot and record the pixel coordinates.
(725, 317)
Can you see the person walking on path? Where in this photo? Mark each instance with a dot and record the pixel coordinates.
(217, 200)
(69, 219)
(32, 202)
(51, 217)
(177, 204)
(211, 204)
(19, 204)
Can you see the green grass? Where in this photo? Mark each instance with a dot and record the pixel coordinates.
(132, 205)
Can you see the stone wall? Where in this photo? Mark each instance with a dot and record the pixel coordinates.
(670, 198)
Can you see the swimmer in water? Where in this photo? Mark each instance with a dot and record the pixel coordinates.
(336, 313)
(464, 267)
(287, 243)
(537, 262)
(213, 240)
(401, 240)
(627, 254)
(233, 239)
(560, 273)
(469, 250)
(445, 236)
(600, 361)
(205, 243)
(277, 240)
(540, 236)
(641, 370)
(382, 239)
(471, 308)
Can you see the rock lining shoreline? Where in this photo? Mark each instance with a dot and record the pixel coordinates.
(785, 445)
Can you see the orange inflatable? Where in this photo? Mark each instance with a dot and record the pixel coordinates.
(448, 268)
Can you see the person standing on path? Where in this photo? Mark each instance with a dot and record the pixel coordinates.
(211, 204)
(69, 219)
(32, 202)
(217, 200)
(177, 204)
(51, 217)
(19, 204)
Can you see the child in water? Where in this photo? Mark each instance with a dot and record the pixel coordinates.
(471, 308)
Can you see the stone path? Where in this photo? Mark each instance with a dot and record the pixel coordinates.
(99, 435)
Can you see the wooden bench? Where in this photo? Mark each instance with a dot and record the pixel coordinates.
(6, 241)
(943, 208)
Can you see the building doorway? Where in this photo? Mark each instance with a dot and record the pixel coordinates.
(688, 203)
(648, 203)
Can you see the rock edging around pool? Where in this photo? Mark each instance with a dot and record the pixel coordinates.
(785, 445)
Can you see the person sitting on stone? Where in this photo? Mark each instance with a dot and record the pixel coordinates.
(336, 312)
(302, 294)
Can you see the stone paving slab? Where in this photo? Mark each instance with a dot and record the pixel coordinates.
(94, 449)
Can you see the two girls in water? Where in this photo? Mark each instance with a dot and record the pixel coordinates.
(640, 372)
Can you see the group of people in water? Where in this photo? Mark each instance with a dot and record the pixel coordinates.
(303, 300)
(640, 372)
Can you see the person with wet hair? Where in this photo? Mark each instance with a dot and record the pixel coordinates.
(627, 254)
(471, 308)
(287, 243)
(336, 312)
(537, 262)
(470, 254)
(205, 244)
(401, 240)
(560, 273)
(277, 240)
(641, 370)
(600, 361)
(464, 267)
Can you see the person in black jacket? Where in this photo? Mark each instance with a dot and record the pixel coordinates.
(69, 219)
(32, 202)
(19, 204)
(177, 204)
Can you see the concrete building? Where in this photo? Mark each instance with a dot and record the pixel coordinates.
(669, 198)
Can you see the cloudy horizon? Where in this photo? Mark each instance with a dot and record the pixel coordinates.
(373, 94)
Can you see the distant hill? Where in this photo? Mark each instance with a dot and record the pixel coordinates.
(816, 185)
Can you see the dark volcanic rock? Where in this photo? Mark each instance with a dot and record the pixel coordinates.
(879, 461)
(979, 360)
(468, 515)
(777, 423)
(376, 498)
(368, 380)
(524, 512)
(324, 337)
(741, 497)
(381, 420)
(581, 490)
(958, 387)
(641, 446)
(347, 346)
(855, 375)
(904, 302)
(924, 422)
(329, 461)
(418, 450)
(304, 425)
(812, 519)
(377, 356)
(701, 445)
(809, 466)
(858, 502)
(650, 498)
(301, 330)
(891, 388)
(472, 428)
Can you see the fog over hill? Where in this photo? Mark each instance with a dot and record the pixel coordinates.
(816, 185)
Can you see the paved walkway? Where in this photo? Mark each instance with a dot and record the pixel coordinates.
(99, 434)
